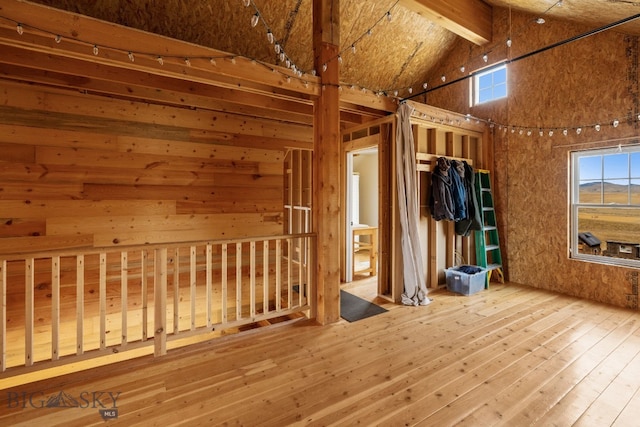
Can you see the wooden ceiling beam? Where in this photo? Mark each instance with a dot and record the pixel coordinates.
(470, 19)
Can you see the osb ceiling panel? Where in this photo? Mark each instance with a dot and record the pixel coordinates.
(396, 55)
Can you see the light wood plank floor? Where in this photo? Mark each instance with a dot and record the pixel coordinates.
(510, 356)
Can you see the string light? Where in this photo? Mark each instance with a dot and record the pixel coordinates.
(187, 62)
(58, 38)
(160, 60)
(131, 57)
(246, 3)
(19, 29)
(255, 19)
(95, 49)
(270, 36)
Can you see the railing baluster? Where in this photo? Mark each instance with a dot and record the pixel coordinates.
(144, 260)
(3, 315)
(55, 308)
(209, 283)
(176, 291)
(192, 282)
(265, 277)
(102, 295)
(301, 283)
(252, 279)
(223, 281)
(238, 281)
(124, 266)
(29, 280)
(278, 275)
(80, 304)
(160, 302)
(289, 273)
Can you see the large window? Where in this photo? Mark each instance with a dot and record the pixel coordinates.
(605, 205)
(490, 85)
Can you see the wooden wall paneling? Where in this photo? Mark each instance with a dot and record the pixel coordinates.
(67, 72)
(59, 102)
(86, 208)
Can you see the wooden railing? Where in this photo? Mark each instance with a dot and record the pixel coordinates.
(63, 307)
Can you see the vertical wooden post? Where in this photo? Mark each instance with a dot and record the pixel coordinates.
(124, 300)
(327, 151)
(192, 285)
(176, 291)
(144, 289)
(80, 305)
(160, 302)
(102, 297)
(224, 284)
(209, 281)
(55, 308)
(29, 283)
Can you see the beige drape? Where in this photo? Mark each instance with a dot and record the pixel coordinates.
(415, 289)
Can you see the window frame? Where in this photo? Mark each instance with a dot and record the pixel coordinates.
(575, 204)
(475, 84)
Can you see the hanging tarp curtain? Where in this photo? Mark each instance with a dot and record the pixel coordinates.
(415, 289)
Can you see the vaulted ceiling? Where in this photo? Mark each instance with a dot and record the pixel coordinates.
(385, 44)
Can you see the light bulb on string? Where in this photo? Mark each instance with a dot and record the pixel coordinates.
(578, 131)
(389, 17)
(160, 60)
(19, 29)
(425, 85)
(212, 61)
(282, 56)
(58, 38)
(276, 48)
(529, 133)
(508, 42)
(339, 59)
(233, 59)
(270, 37)
(597, 128)
(287, 63)
(353, 48)
(410, 90)
(369, 31)
(246, 3)
(443, 78)
(95, 49)
(255, 19)
(131, 57)
(187, 62)
(565, 132)
(485, 57)
(551, 133)
(462, 69)
(615, 123)
(395, 93)
(324, 67)
(541, 133)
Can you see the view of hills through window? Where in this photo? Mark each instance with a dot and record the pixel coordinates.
(607, 206)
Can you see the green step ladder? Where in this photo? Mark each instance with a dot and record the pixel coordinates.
(488, 254)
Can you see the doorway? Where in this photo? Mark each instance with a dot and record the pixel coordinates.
(362, 216)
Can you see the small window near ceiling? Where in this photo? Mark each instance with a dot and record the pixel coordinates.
(605, 205)
(490, 85)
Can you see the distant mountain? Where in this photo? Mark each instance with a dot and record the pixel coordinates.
(594, 187)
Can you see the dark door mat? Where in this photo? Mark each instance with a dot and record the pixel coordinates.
(354, 308)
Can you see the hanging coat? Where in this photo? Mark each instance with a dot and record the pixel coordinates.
(473, 220)
(440, 198)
